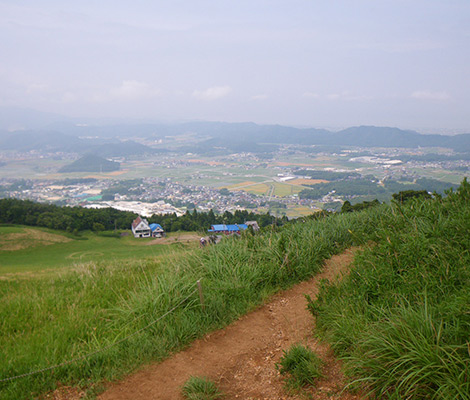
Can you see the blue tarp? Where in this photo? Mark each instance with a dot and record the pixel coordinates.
(218, 228)
(228, 228)
(155, 226)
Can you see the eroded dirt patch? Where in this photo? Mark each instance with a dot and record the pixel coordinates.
(241, 358)
(183, 238)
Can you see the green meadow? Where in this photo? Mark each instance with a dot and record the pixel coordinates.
(28, 249)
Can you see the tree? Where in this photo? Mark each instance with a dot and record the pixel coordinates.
(347, 207)
(97, 227)
(406, 195)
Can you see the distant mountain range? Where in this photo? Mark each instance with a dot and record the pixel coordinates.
(51, 141)
(107, 140)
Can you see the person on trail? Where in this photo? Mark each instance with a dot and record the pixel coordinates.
(202, 242)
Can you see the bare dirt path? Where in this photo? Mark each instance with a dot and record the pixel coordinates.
(241, 358)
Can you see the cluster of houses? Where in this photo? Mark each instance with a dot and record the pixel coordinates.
(142, 229)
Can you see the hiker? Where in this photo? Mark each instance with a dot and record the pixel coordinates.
(202, 242)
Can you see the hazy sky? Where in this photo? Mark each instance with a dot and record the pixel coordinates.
(322, 63)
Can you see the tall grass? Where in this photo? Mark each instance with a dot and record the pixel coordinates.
(46, 321)
(401, 319)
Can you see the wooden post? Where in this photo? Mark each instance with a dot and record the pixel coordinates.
(201, 296)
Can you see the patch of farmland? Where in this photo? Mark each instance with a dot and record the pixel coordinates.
(301, 181)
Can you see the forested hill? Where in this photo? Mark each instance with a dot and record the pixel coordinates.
(56, 141)
(91, 163)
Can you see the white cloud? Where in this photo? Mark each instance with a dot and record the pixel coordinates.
(405, 46)
(311, 95)
(132, 90)
(336, 96)
(69, 97)
(348, 96)
(213, 93)
(428, 95)
(259, 97)
(37, 87)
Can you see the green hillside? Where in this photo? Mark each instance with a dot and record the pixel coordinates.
(28, 249)
(401, 319)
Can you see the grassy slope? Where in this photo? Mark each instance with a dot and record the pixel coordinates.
(411, 288)
(49, 320)
(401, 319)
(35, 256)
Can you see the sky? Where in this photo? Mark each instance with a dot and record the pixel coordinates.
(316, 63)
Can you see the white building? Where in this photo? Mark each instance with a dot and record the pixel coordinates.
(141, 228)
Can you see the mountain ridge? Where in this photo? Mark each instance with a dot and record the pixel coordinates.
(66, 134)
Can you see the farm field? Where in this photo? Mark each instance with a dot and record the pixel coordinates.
(225, 171)
(300, 210)
(27, 249)
(268, 188)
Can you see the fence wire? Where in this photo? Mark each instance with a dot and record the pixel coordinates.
(85, 356)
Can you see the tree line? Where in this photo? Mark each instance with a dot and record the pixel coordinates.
(70, 219)
(77, 219)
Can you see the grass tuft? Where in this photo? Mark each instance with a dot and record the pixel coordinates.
(201, 388)
(301, 365)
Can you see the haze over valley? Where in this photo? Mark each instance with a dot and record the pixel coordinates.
(224, 166)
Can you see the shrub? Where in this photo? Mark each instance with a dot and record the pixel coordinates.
(301, 364)
(200, 388)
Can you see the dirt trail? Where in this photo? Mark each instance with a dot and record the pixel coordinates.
(241, 358)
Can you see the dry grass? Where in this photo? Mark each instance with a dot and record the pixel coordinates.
(178, 238)
(198, 161)
(301, 181)
(240, 186)
(287, 164)
(116, 173)
(29, 238)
